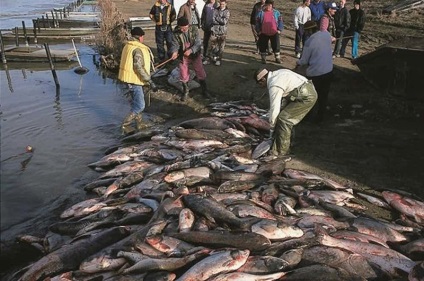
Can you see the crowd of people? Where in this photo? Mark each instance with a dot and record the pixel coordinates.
(318, 26)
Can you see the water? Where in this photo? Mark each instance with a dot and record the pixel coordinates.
(67, 130)
(13, 12)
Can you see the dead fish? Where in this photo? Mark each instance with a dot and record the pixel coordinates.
(320, 272)
(217, 263)
(337, 211)
(407, 206)
(274, 166)
(213, 210)
(145, 134)
(292, 257)
(223, 176)
(83, 208)
(269, 194)
(168, 264)
(242, 276)
(414, 249)
(194, 145)
(417, 272)
(133, 257)
(213, 123)
(111, 160)
(274, 230)
(126, 168)
(263, 265)
(338, 258)
(101, 263)
(285, 205)
(377, 229)
(329, 196)
(249, 210)
(236, 186)
(98, 183)
(254, 121)
(186, 220)
(201, 134)
(309, 221)
(388, 260)
(242, 240)
(70, 256)
(357, 236)
(169, 245)
(199, 172)
(374, 200)
(261, 149)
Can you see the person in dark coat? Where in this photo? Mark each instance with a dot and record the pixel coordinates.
(342, 23)
(357, 23)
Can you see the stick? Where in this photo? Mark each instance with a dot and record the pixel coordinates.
(163, 63)
(76, 53)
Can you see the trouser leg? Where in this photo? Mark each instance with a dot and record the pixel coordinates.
(322, 85)
(355, 42)
(337, 47)
(160, 43)
(290, 116)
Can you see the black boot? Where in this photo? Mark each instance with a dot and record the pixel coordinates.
(205, 91)
(185, 91)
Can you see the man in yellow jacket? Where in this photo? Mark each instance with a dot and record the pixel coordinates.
(134, 69)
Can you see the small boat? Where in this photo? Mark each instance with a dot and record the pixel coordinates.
(36, 54)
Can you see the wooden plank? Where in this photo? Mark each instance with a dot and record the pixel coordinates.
(34, 54)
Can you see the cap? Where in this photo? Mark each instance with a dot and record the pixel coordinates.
(333, 6)
(137, 31)
(309, 25)
(260, 73)
(182, 21)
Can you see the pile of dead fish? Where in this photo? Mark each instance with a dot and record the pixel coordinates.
(203, 201)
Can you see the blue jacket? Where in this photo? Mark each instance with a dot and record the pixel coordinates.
(317, 10)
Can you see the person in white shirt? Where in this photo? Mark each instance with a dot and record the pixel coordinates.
(317, 55)
(302, 14)
(291, 97)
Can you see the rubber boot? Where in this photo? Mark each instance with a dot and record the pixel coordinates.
(126, 124)
(277, 57)
(185, 91)
(263, 58)
(139, 122)
(205, 91)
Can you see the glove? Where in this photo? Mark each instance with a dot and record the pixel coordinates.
(153, 86)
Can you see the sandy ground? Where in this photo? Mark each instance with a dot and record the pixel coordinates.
(368, 141)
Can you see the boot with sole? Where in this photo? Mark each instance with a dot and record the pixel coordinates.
(126, 124)
(205, 91)
(185, 91)
(139, 124)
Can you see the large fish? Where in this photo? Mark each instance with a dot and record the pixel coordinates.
(273, 230)
(223, 176)
(407, 206)
(70, 256)
(212, 123)
(388, 260)
(375, 228)
(338, 258)
(213, 210)
(242, 240)
(215, 264)
(263, 265)
(320, 272)
(242, 276)
(199, 172)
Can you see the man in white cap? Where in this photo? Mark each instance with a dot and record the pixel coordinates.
(291, 97)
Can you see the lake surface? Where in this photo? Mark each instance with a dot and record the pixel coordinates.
(13, 12)
(67, 129)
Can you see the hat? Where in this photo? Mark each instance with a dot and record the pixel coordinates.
(137, 31)
(260, 73)
(333, 6)
(309, 25)
(357, 2)
(182, 21)
(269, 2)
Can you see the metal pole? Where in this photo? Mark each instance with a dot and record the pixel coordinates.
(49, 56)
(25, 34)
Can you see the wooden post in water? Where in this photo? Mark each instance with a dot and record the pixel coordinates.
(16, 36)
(34, 23)
(3, 59)
(54, 20)
(49, 56)
(3, 55)
(25, 34)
